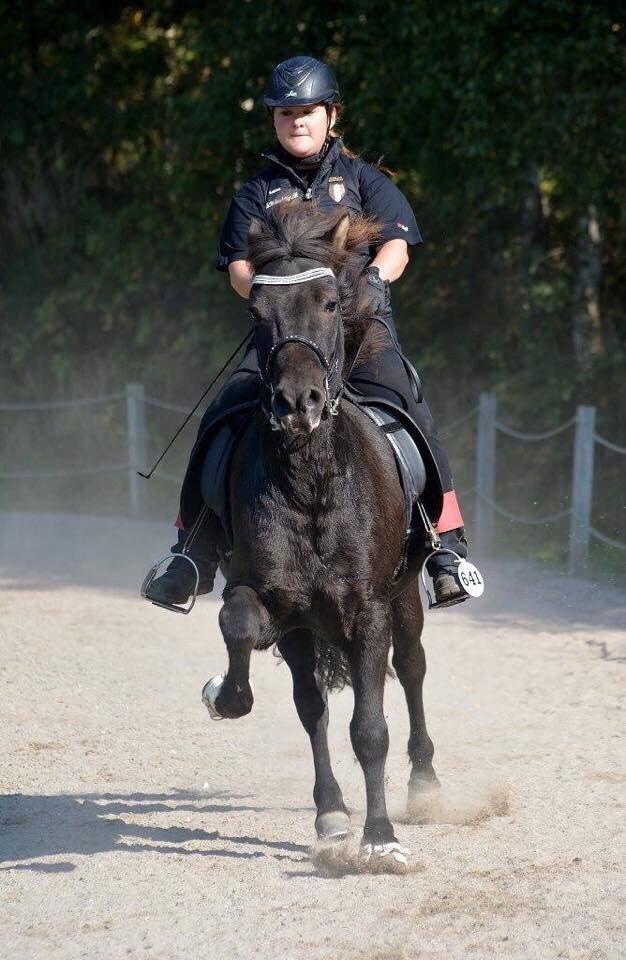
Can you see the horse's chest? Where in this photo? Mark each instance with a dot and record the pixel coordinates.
(314, 570)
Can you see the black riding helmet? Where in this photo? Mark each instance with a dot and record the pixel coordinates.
(299, 82)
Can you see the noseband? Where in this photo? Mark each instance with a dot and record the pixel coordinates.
(329, 364)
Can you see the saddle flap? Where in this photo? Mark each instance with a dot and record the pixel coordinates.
(419, 473)
(216, 469)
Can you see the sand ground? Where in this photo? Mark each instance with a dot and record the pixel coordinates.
(133, 826)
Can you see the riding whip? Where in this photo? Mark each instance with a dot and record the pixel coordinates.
(248, 336)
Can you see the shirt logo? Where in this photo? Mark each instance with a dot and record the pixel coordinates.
(336, 188)
(402, 226)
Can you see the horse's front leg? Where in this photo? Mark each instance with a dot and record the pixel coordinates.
(368, 728)
(332, 821)
(242, 620)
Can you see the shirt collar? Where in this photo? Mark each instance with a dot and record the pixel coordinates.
(280, 157)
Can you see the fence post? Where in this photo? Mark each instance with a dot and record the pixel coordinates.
(136, 434)
(582, 488)
(485, 471)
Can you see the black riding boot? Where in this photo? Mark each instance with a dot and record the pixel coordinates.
(176, 585)
(443, 567)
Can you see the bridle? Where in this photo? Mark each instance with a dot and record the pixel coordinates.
(329, 364)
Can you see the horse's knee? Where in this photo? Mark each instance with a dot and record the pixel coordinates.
(242, 618)
(370, 738)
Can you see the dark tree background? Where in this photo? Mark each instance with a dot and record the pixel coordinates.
(125, 129)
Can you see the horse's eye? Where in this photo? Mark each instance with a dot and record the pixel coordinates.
(331, 306)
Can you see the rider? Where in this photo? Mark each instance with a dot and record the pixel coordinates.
(310, 162)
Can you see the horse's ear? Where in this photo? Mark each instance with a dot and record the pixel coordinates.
(340, 233)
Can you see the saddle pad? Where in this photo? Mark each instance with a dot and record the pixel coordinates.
(431, 495)
(216, 469)
(409, 460)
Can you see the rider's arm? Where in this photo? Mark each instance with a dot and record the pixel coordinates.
(382, 201)
(233, 241)
(241, 273)
(391, 259)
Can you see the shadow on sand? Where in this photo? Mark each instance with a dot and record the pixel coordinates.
(32, 827)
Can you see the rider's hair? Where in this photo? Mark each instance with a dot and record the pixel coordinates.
(337, 133)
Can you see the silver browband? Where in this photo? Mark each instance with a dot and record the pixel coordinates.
(314, 274)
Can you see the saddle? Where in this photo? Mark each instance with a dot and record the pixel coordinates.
(417, 470)
(418, 474)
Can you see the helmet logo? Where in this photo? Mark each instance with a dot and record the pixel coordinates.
(292, 93)
(336, 188)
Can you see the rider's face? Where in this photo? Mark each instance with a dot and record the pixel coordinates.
(301, 131)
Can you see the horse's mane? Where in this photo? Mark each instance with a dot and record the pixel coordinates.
(297, 230)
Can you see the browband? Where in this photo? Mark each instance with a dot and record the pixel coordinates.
(314, 274)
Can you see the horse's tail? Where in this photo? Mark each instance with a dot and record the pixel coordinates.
(331, 665)
(333, 668)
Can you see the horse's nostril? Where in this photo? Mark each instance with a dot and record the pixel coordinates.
(281, 403)
(315, 397)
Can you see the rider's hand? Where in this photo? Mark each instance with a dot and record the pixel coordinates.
(378, 290)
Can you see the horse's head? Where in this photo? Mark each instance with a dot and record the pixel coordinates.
(302, 303)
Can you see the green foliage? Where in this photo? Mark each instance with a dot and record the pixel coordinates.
(126, 127)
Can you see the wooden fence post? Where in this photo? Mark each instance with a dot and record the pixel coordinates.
(136, 434)
(485, 471)
(582, 488)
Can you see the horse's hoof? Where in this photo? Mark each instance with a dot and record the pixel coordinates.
(334, 825)
(232, 702)
(377, 852)
(209, 695)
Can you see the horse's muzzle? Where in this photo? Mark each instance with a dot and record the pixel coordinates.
(300, 424)
(298, 410)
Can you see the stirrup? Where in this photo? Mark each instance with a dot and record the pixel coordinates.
(150, 576)
(470, 580)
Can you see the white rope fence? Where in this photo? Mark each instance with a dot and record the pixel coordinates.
(60, 404)
(581, 530)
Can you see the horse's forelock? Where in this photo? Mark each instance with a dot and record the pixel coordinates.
(297, 230)
(301, 231)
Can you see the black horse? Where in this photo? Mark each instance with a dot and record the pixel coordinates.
(318, 518)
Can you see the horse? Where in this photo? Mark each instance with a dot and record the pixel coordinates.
(318, 519)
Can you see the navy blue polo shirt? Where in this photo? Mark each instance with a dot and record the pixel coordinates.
(339, 179)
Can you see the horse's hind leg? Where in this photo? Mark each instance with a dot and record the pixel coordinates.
(332, 821)
(242, 620)
(409, 662)
(369, 649)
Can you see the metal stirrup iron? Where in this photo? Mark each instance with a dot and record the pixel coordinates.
(154, 569)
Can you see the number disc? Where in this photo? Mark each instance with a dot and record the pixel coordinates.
(471, 578)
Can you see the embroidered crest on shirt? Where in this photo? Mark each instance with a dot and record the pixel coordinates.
(336, 188)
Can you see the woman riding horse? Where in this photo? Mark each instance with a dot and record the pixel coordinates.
(311, 163)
